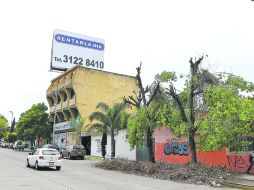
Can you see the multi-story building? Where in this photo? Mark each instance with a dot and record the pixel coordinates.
(75, 94)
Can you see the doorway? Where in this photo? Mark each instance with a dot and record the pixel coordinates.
(86, 142)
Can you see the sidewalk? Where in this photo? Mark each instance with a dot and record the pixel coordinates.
(241, 182)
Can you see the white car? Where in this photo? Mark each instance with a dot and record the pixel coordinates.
(44, 157)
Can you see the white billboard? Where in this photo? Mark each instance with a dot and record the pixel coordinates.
(69, 49)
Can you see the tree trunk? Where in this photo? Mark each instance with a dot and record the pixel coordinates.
(150, 146)
(103, 145)
(192, 147)
(112, 143)
(32, 143)
(38, 141)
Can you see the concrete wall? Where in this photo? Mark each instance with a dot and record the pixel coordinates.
(96, 146)
(171, 150)
(123, 149)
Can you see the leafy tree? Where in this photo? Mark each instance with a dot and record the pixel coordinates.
(109, 121)
(11, 137)
(227, 115)
(33, 124)
(3, 126)
(230, 117)
(144, 115)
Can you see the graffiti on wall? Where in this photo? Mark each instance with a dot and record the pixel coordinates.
(176, 148)
(237, 162)
(60, 139)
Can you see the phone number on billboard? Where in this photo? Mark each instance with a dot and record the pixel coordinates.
(81, 61)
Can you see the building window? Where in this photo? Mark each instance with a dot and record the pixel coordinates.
(65, 97)
(72, 94)
(75, 113)
(58, 99)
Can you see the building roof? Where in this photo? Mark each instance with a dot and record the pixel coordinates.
(78, 66)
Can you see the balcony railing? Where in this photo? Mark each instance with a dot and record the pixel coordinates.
(61, 85)
(52, 108)
(59, 106)
(65, 104)
(72, 101)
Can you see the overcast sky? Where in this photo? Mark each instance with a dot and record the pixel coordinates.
(161, 34)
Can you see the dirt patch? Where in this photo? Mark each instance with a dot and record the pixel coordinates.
(189, 173)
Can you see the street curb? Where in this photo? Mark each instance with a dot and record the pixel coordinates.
(238, 186)
(239, 183)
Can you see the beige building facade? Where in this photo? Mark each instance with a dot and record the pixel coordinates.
(75, 94)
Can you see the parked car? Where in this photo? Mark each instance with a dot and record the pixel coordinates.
(54, 146)
(10, 146)
(73, 151)
(19, 145)
(44, 157)
(6, 144)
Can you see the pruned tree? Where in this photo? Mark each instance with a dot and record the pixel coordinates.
(142, 102)
(185, 101)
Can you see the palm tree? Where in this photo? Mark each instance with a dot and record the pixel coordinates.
(79, 125)
(109, 121)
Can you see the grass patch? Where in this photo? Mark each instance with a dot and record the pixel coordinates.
(93, 158)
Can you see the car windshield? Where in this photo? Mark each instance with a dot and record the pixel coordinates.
(50, 146)
(50, 152)
(78, 147)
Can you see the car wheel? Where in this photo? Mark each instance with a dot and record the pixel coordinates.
(82, 157)
(69, 157)
(58, 168)
(37, 166)
(62, 155)
(27, 163)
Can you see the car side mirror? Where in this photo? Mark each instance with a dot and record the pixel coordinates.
(30, 153)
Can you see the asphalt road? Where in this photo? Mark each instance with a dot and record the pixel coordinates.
(74, 175)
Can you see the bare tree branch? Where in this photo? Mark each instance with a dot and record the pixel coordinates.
(171, 92)
(157, 89)
(140, 85)
(126, 101)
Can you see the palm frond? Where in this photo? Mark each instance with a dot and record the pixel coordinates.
(103, 106)
(118, 108)
(101, 117)
(97, 128)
